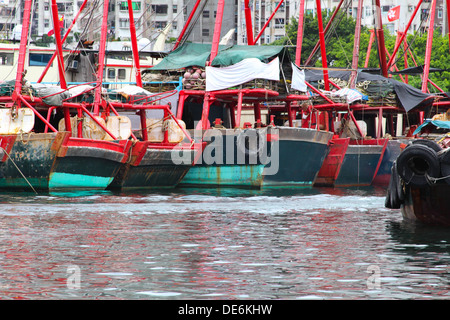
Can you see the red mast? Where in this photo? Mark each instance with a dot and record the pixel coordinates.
(313, 52)
(322, 46)
(22, 49)
(101, 59)
(356, 45)
(217, 29)
(298, 51)
(380, 37)
(64, 39)
(268, 21)
(59, 54)
(248, 22)
(426, 70)
(397, 46)
(188, 21)
(134, 47)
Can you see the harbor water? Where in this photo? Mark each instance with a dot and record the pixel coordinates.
(209, 244)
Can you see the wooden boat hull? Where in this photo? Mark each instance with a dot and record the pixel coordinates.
(152, 167)
(300, 154)
(428, 205)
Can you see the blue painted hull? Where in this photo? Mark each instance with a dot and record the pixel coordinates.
(300, 154)
(359, 166)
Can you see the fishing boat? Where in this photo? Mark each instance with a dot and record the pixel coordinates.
(420, 175)
(229, 90)
(89, 149)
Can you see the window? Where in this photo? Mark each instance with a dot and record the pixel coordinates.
(205, 32)
(6, 59)
(160, 24)
(46, 23)
(160, 8)
(39, 59)
(124, 23)
(122, 74)
(206, 14)
(111, 73)
(123, 5)
(279, 23)
(175, 8)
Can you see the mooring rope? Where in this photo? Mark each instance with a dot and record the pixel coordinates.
(18, 169)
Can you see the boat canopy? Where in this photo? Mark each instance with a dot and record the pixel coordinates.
(437, 123)
(195, 54)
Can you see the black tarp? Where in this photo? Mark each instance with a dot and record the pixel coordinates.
(408, 96)
(416, 70)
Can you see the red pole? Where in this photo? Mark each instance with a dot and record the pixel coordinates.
(22, 48)
(369, 48)
(380, 36)
(356, 45)
(397, 46)
(248, 23)
(64, 39)
(313, 52)
(134, 47)
(268, 21)
(406, 59)
(101, 58)
(217, 29)
(426, 70)
(59, 52)
(188, 21)
(322, 45)
(301, 18)
(134, 44)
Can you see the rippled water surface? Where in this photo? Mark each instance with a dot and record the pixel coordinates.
(217, 244)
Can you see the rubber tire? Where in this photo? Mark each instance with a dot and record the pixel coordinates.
(409, 161)
(429, 143)
(394, 197)
(444, 160)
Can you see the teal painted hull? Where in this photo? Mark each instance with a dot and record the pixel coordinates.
(77, 181)
(249, 176)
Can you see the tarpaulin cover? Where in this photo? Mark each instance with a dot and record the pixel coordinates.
(241, 72)
(298, 79)
(196, 54)
(437, 123)
(416, 70)
(408, 96)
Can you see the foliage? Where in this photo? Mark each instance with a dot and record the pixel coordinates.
(339, 48)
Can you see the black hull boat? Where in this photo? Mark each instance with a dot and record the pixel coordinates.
(420, 183)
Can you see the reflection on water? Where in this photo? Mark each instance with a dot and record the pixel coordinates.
(217, 244)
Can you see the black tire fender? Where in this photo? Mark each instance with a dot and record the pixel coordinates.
(429, 143)
(417, 163)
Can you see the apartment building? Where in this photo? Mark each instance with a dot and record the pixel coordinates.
(263, 9)
(152, 16)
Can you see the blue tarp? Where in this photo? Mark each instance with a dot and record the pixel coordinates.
(437, 123)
